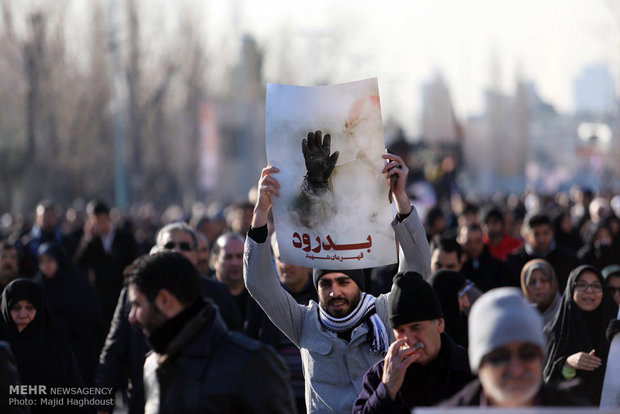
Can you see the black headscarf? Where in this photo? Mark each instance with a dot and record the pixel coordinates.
(598, 255)
(74, 307)
(447, 285)
(43, 355)
(575, 330)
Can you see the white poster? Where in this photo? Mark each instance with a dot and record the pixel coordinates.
(333, 211)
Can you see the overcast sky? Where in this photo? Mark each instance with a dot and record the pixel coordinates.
(404, 43)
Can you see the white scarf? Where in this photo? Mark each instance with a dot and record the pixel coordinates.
(364, 312)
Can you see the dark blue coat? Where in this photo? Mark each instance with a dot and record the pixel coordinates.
(423, 386)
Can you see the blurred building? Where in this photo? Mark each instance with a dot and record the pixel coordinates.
(233, 132)
(438, 124)
(594, 90)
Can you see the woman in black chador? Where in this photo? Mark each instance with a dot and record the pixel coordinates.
(578, 345)
(43, 356)
(73, 305)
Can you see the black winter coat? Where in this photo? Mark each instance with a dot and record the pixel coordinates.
(486, 272)
(126, 347)
(208, 369)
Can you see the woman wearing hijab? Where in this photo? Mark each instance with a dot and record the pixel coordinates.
(43, 356)
(540, 288)
(599, 250)
(456, 295)
(578, 346)
(73, 305)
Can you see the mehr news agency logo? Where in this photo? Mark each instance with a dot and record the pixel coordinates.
(43, 396)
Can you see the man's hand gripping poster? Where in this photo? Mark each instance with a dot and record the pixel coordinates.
(333, 211)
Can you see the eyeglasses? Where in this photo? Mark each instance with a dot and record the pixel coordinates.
(468, 285)
(184, 246)
(502, 356)
(613, 290)
(583, 287)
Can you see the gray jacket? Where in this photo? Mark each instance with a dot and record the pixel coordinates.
(333, 368)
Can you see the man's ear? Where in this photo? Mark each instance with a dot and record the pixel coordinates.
(165, 301)
(441, 325)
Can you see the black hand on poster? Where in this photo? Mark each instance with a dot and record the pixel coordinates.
(319, 163)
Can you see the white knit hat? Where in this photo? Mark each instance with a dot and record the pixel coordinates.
(502, 316)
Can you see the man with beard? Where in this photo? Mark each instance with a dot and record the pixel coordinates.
(123, 353)
(197, 364)
(506, 350)
(345, 334)
(9, 264)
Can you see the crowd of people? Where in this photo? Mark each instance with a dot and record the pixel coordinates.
(504, 302)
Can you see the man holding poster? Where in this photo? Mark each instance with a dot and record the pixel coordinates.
(329, 189)
(345, 334)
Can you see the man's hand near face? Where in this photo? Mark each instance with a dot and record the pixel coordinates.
(396, 362)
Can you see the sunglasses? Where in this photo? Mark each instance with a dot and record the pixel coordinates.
(583, 287)
(184, 246)
(613, 290)
(502, 356)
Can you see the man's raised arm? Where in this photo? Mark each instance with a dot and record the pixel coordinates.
(258, 269)
(415, 253)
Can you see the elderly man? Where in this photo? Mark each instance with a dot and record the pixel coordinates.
(506, 349)
(345, 334)
(424, 365)
(197, 365)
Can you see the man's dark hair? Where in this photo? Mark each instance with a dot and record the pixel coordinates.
(9, 245)
(432, 215)
(97, 207)
(537, 219)
(165, 270)
(446, 244)
(471, 208)
(474, 227)
(493, 213)
(220, 241)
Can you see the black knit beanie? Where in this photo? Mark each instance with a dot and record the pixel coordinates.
(356, 274)
(412, 300)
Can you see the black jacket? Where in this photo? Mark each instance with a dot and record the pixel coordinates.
(486, 272)
(423, 386)
(9, 376)
(208, 369)
(106, 268)
(126, 347)
(548, 396)
(562, 260)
